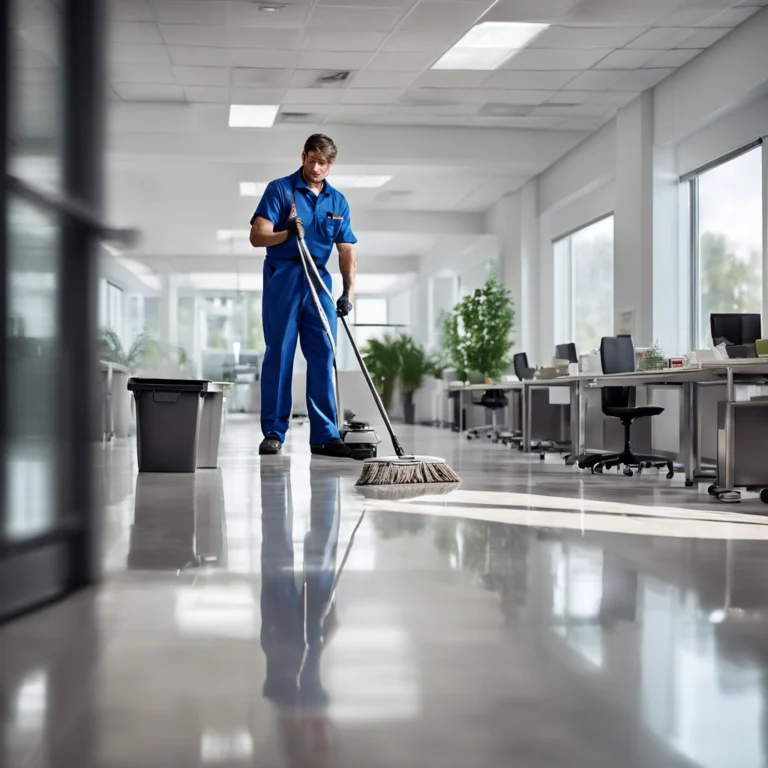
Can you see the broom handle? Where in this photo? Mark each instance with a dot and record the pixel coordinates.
(399, 450)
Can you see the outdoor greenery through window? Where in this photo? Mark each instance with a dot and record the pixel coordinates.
(584, 286)
(728, 201)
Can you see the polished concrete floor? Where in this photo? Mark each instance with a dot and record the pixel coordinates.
(267, 614)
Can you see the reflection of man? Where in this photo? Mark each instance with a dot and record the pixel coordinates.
(290, 611)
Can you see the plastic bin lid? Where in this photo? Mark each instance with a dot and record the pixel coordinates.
(170, 385)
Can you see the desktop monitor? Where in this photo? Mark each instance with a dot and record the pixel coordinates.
(567, 352)
(734, 328)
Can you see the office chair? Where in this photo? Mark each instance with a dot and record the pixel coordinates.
(567, 352)
(617, 355)
(735, 329)
(493, 400)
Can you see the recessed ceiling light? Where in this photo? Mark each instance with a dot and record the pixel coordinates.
(252, 188)
(252, 115)
(489, 44)
(358, 182)
(270, 8)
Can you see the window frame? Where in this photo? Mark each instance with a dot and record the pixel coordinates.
(691, 179)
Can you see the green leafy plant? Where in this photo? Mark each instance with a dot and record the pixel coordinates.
(653, 360)
(113, 350)
(479, 331)
(413, 364)
(383, 360)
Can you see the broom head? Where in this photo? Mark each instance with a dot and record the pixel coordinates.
(406, 492)
(406, 470)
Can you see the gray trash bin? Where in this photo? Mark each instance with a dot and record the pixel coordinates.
(168, 415)
(210, 427)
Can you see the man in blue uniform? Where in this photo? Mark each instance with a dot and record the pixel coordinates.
(302, 204)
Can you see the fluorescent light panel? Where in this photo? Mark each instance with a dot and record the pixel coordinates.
(489, 44)
(252, 188)
(252, 115)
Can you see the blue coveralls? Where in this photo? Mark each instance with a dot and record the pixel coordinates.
(288, 313)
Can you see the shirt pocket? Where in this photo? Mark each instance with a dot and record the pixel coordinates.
(333, 227)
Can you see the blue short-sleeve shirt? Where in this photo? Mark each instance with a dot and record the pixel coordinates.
(325, 216)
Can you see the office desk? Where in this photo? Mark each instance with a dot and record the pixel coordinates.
(732, 373)
(504, 386)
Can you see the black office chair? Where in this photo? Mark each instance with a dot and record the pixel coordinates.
(617, 355)
(567, 352)
(522, 370)
(734, 328)
(493, 400)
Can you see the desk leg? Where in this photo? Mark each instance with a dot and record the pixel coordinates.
(581, 394)
(527, 425)
(691, 432)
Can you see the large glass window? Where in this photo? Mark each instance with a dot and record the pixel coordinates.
(584, 285)
(727, 206)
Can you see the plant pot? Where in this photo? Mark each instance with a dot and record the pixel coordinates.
(409, 410)
(487, 380)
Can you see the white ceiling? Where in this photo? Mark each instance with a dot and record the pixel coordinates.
(454, 142)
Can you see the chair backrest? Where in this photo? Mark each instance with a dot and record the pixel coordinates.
(734, 328)
(566, 352)
(617, 355)
(520, 362)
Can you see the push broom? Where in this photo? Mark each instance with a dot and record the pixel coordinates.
(403, 468)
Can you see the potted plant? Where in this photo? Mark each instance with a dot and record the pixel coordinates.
(382, 358)
(113, 350)
(487, 317)
(413, 368)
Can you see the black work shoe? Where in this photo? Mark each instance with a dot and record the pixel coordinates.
(270, 446)
(336, 448)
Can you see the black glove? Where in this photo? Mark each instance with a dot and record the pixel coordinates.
(295, 227)
(343, 305)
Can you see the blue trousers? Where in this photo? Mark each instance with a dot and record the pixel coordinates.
(289, 315)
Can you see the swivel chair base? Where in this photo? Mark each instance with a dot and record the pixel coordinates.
(597, 462)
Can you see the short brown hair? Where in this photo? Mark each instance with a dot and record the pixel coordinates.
(319, 142)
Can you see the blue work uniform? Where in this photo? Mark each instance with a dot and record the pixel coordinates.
(288, 313)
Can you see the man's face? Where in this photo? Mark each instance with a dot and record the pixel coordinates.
(315, 166)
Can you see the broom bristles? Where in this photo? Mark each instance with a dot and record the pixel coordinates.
(406, 473)
(406, 492)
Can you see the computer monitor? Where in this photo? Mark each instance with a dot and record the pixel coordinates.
(567, 352)
(734, 328)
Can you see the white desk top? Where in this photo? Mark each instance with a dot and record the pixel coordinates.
(505, 386)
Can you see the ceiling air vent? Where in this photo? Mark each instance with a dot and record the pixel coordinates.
(331, 79)
(563, 104)
(299, 117)
(503, 110)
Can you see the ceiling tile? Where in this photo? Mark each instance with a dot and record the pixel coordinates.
(149, 92)
(260, 77)
(420, 42)
(136, 32)
(611, 98)
(310, 78)
(388, 61)
(195, 34)
(354, 19)
(126, 53)
(529, 98)
(596, 80)
(544, 11)
(209, 95)
(379, 79)
(256, 57)
(372, 3)
(624, 12)
(339, 41)
(661, 38)
(560, 60)
(256, 95)
(330, 60)
(247, 14)
(370, 95)
(141, 73)
(448, 79)
(570, 97)
(436, 16)
(530, 80)
(626, 59)
(195, 56)
(732, 17)
(703, 38)
(580, 110)
(202, 76)
(250, 37)
(676, 58)
(312, 96)
(587, 37)
(130, 10)
(642, 79)
(199, 12)
(689, 16)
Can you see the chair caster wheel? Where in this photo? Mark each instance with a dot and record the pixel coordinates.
(670, 475)
(689, 484)
(729, 497)
(570, 461)
(764, 495)
(597, 469)
(648, 465)
(712, 490)
(628, 472)
(542, 456)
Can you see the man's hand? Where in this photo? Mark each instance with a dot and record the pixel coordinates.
(343, 305)
(295, 227)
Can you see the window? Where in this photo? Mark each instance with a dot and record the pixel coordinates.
(584, 285)
(111, 308)
(727, 240)
(369, 315)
